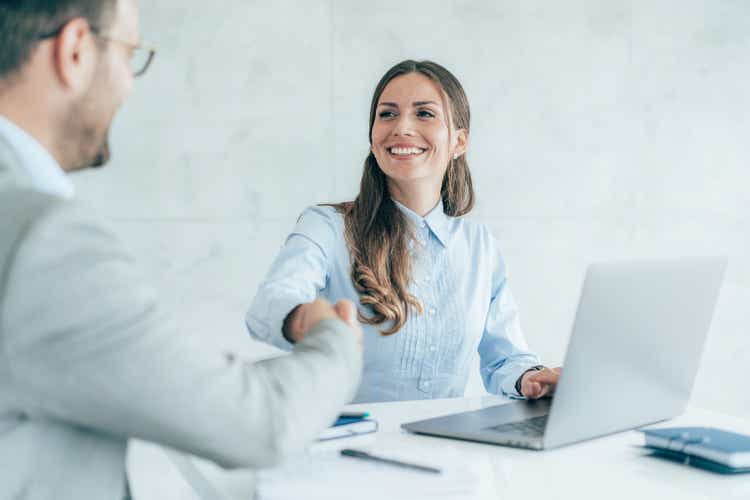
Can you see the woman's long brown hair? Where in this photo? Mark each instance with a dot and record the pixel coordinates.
(376, 231)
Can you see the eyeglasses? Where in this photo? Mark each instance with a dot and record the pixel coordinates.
(141, 54)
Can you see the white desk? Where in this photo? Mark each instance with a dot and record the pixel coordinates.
(612, 467)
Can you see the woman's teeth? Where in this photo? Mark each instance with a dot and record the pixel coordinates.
(405, 151)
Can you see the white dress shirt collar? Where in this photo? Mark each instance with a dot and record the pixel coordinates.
(45, 173)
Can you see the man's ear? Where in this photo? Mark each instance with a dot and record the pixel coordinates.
(462, 142)
(76, 55)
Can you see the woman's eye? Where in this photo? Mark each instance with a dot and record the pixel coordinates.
(423, 113)
(387, 114)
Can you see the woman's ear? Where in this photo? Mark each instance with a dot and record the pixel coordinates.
(462, 143)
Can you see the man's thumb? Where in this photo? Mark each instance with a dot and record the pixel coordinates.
(346, 311)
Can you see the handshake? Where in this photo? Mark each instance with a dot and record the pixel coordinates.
(303, 317)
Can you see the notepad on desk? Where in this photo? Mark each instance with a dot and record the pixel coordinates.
(329, 476)
(705, 447)
(344, 428)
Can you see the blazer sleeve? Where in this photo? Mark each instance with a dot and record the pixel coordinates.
(299, 274)
(85, 342)
(503, 352)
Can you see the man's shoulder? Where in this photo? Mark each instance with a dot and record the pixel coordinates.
(22, 210)
(16, 201)
(19, 210)
(69, 264)
(47, 228)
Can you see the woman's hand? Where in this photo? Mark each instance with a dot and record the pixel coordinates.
(537, 384)
(305, 316)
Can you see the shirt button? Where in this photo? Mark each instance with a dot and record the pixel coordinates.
(432, 311)
(426, 279)
(433, 348)
(426, 384)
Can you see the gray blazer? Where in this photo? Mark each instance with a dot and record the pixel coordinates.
(87, 360)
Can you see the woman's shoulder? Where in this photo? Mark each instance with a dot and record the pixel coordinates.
(474, 231)
(329, 216)
(322, 214)
(482, 244)
(323, 224)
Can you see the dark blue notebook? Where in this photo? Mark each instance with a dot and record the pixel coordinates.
(706, 447)
(345, 420)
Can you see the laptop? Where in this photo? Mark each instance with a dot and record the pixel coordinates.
(631, 360)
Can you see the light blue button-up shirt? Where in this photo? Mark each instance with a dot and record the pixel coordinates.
(459, 277)
(44, 172)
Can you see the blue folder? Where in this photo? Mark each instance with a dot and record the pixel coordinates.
(705, 447)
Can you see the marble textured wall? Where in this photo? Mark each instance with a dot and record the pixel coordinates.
(600, 130)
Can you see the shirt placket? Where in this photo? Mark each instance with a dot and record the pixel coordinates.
(424, 281)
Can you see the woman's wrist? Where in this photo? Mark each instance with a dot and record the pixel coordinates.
(287, 326)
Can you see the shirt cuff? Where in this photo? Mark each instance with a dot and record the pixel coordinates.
(508, 384)
(517, 385)
(265, 318)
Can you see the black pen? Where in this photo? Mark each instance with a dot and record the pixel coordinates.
(366, 456)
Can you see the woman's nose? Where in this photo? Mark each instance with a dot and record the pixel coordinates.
(403, 126)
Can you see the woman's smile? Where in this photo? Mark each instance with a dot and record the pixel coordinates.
(405, 151)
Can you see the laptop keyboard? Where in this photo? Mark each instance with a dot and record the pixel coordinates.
(530, 427)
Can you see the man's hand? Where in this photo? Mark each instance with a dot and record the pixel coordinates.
(347, 311)
(537, 384)
(305, 316)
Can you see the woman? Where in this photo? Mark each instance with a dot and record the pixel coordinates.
(431, 286)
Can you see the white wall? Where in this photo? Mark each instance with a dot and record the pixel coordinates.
(601, 130)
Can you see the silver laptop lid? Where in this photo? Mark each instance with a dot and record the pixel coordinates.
(636, 344)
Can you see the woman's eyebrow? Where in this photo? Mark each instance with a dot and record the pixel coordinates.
(415, 104)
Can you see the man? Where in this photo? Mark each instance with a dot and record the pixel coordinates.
(86, 358)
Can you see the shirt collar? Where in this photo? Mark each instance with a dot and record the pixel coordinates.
(45, 173)
(436, 220)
